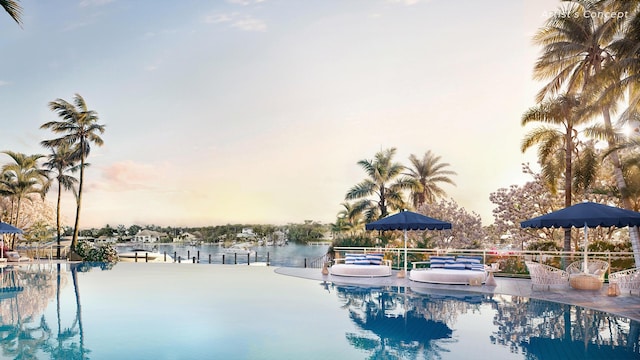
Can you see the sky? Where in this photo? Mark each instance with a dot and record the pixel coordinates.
(257, 111)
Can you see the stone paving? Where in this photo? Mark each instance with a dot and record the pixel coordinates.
(625, 304)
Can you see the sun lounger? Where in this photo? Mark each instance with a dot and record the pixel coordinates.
(462, 270)
(361, 265)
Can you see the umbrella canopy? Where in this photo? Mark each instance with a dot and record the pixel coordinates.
(8, 229)
(586, 215)
(407, 220)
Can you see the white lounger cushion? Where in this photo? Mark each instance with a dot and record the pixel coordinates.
(368, 270)
(446, 276)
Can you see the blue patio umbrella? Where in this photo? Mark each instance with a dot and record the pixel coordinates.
(407, 220)
(7, 229)
(585, 215)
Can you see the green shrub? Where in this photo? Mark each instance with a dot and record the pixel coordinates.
(105, 253)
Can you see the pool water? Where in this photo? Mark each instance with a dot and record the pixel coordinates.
(188, 311)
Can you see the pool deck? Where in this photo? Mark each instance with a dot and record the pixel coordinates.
(624, 304)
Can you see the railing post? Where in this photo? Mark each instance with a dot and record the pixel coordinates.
(194, 259)
(146, 257)
(222, 259)
(235, 258)
(248, 258)
(165, 256)
(267, 258)
(135, 256)
(209, 258)
(175, 256)
(305, 263)
(198, 255)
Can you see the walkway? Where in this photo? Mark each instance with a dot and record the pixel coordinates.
(624, 305)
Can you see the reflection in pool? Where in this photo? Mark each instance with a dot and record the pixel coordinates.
(172, 311)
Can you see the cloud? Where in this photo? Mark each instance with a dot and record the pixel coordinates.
(3, 83)
(126, 176)
(238, 21)
(250, 24)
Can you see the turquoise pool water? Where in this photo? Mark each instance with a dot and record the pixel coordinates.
(188, 311)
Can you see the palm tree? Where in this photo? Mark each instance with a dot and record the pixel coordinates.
(81, 129)
(558, 140)
(384, 183)
(428, 172)
(576, 48)
(61, 160)
(13, 9)
(349, 219)
(20, 179)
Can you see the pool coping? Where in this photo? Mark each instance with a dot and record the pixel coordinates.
(624, 305)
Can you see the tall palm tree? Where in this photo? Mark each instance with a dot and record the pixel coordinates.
(428, 173)
(80, 128)
(384, 183)
(22, 178)
(62, 160)
(557, 142)
(13, 9)
(576, 48)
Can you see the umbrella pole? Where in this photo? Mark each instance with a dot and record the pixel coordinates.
(585, 268)
(405, 251)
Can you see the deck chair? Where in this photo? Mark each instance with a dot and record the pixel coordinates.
(627, 280)
(546, 275)
(597, 268)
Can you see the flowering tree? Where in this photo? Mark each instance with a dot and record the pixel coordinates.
(466, 229)
(522, 202)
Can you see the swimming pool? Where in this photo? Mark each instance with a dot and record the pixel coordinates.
(187, 311)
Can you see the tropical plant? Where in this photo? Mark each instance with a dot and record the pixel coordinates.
(20, 179)
(383, 183)
(61, 162)
(428, 172)
(349, 219)
(81, 129)
(13, 9)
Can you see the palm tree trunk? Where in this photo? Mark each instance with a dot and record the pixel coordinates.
(58, 303)
(621, 183)
(74, 239)
(13, 238)
(58, 218)
(74, 276)
(568, 180)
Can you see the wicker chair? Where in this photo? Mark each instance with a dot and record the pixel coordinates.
(546, 275)
(594, 267)
(627, 280)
